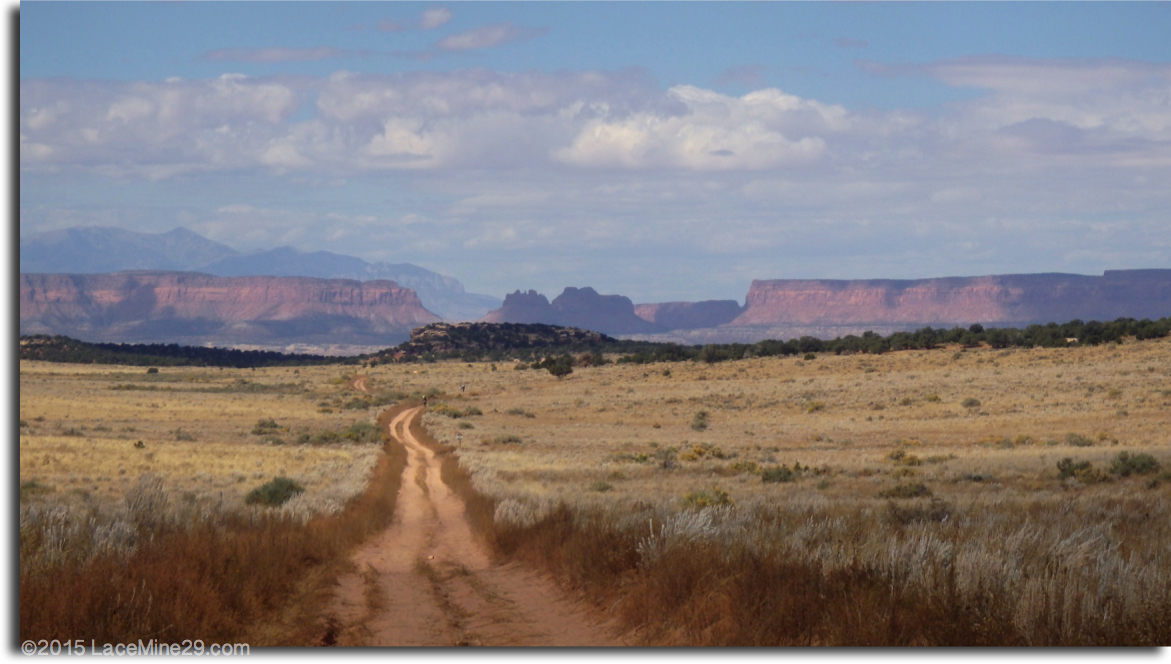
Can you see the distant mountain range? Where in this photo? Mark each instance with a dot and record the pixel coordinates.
(194, 308)
(827, 308)
(284, 296)
(100, 249)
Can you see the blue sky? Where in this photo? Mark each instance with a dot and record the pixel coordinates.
(667, 151)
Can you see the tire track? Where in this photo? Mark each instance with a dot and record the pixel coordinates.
(426, 581)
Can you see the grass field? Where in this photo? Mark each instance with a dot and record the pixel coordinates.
(979, 496)
(88, 433)
(922, 489)
(968, 423)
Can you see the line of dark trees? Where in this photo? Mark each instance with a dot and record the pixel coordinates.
(532, 345)
(60, 348)
(499, 342)
(1051, 335)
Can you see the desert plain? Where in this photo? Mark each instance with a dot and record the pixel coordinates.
(1000, 474)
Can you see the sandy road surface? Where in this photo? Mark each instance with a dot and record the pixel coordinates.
(425, 581)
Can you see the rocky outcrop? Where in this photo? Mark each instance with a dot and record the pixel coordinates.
(1007, 300)
(196, 308)
(518, 307)
(576, 307)
(690, 315)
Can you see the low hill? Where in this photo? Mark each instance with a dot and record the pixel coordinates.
(496, 341)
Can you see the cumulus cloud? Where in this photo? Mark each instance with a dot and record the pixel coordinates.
(154, 130)
(274, 54)
(1057, 165)
(487, 36)
(1095, 113)
(716, 132)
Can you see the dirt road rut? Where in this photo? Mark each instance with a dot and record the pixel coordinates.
(425, 581)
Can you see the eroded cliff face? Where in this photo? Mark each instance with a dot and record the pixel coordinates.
(1020, 299)
(189, 307)
(518, 307)
(575, 307)
(611, 314)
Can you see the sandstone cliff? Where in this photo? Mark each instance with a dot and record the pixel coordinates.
(190, 307)
(690, 315)
(575, 307)
(1008, 300)
(518, 307)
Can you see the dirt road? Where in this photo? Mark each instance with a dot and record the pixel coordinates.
(425, 581)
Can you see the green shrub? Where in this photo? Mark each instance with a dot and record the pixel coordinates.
(916, 490)
(814, 406)
(1139, 464)
(777, 474)
(970, 402)
(601, 487)
(699, 422)
(265, 427)
(152, 370)
(744, 467)
(1082, 471)
(717, 497)
(1078, 440)
(506, 439)
(465, 425)
(362, 432)
(275, 493)
(32, 487)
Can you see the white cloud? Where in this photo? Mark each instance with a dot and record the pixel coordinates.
(716, 132)
(434, 17)
(274, 54)
(604, 167)
(1105, 110)
(593, 120)
(487, 36)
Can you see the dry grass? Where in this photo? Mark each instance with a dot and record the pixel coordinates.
(191, 426)
(1001, 551)
(122, 539)
(998, 550)
(225, 576)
